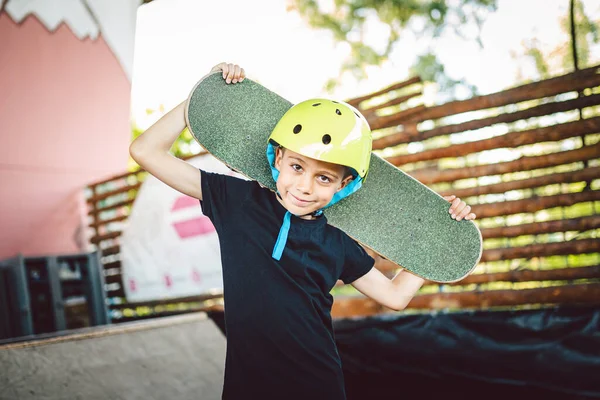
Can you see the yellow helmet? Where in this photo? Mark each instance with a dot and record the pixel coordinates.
(327, 130)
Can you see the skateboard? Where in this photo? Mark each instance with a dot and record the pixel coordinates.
(393, 214)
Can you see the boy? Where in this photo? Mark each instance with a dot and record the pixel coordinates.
(280, 258)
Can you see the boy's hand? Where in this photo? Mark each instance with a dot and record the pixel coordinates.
(459, 209)
(232, 73)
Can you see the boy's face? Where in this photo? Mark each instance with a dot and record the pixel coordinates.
(306, 184)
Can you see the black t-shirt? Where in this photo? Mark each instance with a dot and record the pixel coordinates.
(280, 341)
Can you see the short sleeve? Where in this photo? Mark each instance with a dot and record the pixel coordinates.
(222, 196)
(357, 261)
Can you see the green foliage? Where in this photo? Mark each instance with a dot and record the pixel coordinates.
(560, 58)
(586, 33)
(349, 20)
(541, 65)
(430, 69)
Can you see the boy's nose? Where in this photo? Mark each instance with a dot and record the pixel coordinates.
(305, 184)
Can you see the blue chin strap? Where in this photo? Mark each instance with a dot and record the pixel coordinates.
(350, 188)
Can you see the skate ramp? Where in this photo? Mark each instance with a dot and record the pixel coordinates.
(169, 358)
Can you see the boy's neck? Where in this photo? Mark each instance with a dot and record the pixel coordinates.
(308, 216)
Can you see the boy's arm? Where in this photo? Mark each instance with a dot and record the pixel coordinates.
(393, 293)
(399, 291)
(151, 149)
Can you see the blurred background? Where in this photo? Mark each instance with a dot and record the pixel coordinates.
(496, 101)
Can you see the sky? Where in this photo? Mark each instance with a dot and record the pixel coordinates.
(179, 41)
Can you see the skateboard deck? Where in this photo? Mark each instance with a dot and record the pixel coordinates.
(393, 214)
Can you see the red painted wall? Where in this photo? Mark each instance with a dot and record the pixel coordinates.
(64, 123)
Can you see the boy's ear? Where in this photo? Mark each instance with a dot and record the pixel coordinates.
(278, 158)
(345, 182)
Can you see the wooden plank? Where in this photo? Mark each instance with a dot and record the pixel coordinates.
(533, 204)
(118, 177)
(106, 195)
(138, 171)
(427, 176)
(537, 111)
(583, 175)
(94, 215)
(537, 228)
(356, 101)
(582, 246)
(114, 279)
(392, 120)
(508, 140)
(98, 210)
(580, 294)
(110, 251)
(107, 236)
(163, 314)
(114, 264)
(398, 100)
(154, 303)
(562, 274)
(100, 222)
(120, 292)
(575, 81)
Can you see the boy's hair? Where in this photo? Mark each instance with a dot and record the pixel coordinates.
(347, 170)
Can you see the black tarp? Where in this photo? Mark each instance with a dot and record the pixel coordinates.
(554, 353)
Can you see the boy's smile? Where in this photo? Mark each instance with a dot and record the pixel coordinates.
(305, 184)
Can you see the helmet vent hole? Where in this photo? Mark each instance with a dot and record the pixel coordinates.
(335, 102)
(297, 128)
(316, 104)
(338, 112)
(326, 139)
(356, 114)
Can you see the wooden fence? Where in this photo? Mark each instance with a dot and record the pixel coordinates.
(526, 159)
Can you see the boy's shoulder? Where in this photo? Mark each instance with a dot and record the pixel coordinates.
(338, 234)
(252, 189)
(227, 178)
(222, 186)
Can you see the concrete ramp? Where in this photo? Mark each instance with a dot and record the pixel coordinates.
(170, 358)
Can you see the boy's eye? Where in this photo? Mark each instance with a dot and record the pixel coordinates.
(324, 179)
(296, 167)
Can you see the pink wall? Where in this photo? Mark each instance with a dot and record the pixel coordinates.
(64, 123)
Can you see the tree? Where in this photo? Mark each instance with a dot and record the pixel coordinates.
(349, 19)
(580, 33)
